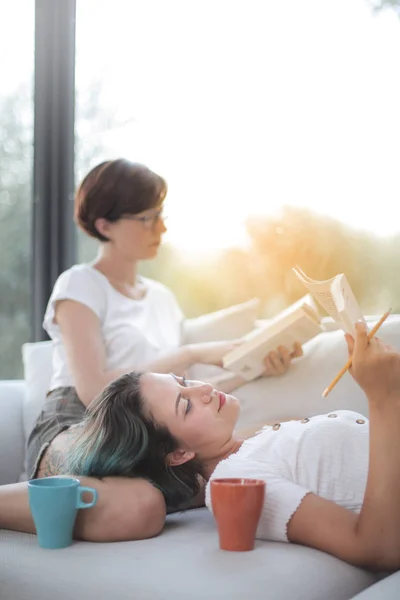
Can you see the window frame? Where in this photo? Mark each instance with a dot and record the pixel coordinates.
(53, 229)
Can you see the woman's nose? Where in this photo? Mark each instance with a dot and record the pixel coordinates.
(161, 225)
(204, 392)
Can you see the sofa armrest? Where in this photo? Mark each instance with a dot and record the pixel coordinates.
(12, 450)
(386, 589)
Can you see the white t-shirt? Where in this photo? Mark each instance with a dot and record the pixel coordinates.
(134, 331)
(326, 455)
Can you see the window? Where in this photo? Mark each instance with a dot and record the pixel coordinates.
(16, 156)
(245, 108)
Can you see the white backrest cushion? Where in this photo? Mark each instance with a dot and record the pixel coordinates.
(298, 393)
(226, 324)
(12, 397)
(37, 363)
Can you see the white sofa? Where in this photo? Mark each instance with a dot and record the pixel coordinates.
(185, 561)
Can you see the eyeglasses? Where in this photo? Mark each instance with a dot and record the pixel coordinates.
(149, 221)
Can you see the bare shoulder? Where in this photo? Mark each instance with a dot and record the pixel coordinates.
(53, 461)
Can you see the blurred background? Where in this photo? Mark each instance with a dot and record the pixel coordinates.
(275, 124)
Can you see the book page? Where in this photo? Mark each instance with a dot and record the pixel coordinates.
(321, 291)
(336, 297)
(347, 305)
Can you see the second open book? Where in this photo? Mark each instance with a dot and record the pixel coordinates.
(300, 322)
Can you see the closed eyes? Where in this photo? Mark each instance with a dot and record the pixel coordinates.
(189, 403)
(188, 406)
(183, 382)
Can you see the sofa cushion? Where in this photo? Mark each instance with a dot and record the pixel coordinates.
(295, 394)
(226, 324)
(12, 395)
(386, 589)
(37, 363)
(184, 562)
(298, 393)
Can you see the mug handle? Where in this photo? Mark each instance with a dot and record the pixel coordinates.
(80, 502)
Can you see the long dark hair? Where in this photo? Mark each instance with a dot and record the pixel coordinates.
(120, 438)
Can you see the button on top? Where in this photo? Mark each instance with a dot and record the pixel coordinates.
(305, 420)
(276, 426)
(332, 416)
(360, 421)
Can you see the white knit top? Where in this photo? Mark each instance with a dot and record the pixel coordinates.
(326, 455)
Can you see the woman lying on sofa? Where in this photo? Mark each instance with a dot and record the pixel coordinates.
(333, 481)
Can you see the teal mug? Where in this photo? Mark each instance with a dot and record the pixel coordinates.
(54, 503)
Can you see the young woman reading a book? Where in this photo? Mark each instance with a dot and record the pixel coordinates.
(333, 481)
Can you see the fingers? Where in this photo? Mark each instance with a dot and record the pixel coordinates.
(285, 357)
(273, 364)
(298, 350)
(269, 369)
(361, 338)
(277, 362)
(350, 344)
(357, 345)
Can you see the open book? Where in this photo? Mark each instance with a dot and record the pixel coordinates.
(300, 322)
(336, 297)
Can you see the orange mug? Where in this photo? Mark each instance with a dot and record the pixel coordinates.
(237, 505)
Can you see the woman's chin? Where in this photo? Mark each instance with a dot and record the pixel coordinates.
(235, 408)
(152, 251)
(235, 401)
(149, 253)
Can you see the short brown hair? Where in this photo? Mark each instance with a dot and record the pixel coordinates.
(114, 188)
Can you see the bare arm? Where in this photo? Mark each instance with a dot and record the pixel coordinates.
(81, 333)
(126, 509)
(324, 525)
(372, 538)
(376, 368)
